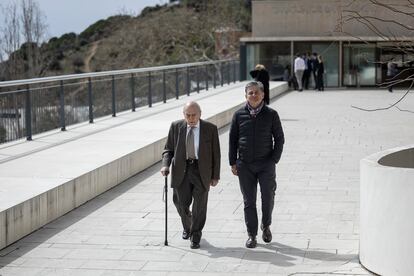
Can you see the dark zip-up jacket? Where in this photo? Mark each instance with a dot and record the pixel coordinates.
(255, 138)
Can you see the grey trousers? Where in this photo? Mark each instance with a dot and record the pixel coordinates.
(192, 190)
(250, 174)
(299, 76)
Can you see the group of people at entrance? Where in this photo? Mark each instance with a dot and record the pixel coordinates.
(192, 150)
(305, 66)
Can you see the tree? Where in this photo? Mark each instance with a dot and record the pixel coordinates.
(23, 32)
(392, 23)
(10, 39)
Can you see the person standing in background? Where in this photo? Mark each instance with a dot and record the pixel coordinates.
(308, 70)
(314, 67)
(260, 74)
(320, 70)
(299, 68)
(391, 73)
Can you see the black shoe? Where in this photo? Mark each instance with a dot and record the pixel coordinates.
(195, 245)
(267, 235)
(251, 242)
(186, 235)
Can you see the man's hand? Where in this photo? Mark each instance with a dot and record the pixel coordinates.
(214, 182)
(165, 171)
(234, 170)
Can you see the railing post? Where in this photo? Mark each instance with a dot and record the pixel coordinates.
(221, 74)
(228, 72)
(113, 97)
(164, 91)
(207, 77)
(234, 71)
(177, 91)
(133, 93)
(90, 100)
(149, 90)
(188, 81)
(62, 107)
(198, 79)
(28, 115)
(214, 76)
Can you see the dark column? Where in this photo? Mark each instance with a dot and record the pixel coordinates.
(243, 61)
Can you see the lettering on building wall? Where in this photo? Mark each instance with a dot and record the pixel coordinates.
(296, 9)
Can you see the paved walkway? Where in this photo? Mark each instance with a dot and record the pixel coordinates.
(315, 229)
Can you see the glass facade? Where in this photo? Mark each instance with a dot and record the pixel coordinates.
(330, 55)
(274, 56)
(402, 59)
(359, 65)
(277, 56)
(363, 65)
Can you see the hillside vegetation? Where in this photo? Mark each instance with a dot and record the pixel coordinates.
(160, 35)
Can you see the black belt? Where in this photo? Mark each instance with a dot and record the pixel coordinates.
(191, 161)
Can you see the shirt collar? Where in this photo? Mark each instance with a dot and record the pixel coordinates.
(196, 126)
(254, 111)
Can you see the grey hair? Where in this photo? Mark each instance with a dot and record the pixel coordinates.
(257, 84)
(192, 103)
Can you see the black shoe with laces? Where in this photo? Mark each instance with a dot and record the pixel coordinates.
(251, 242)
(195, 245)
(267, 235)
(186, 235)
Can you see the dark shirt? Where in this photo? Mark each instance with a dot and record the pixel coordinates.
(320, 69)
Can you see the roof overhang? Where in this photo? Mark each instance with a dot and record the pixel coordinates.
(325, 38)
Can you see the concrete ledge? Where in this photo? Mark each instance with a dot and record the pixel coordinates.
(44, 185)
(387, 226)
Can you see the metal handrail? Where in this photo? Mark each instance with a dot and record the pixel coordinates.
(106, 73)
(32, 106)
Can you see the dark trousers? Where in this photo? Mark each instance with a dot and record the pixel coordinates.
(266, 96)
(305, 79)
(249, 174)
(192, 190)
(319, 82)
(315, 79)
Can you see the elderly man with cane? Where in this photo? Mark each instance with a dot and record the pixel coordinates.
(193, 150)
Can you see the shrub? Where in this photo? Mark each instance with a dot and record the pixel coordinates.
(78, 62)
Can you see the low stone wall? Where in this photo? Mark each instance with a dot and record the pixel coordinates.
(387, 201)
(28, 216)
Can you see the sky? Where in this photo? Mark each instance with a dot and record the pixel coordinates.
(64, 16)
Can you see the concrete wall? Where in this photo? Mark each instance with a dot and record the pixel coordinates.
(387, 224)
(24, 218)
(28, 216)
(278, 18)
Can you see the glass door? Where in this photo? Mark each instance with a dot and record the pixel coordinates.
(359, 65)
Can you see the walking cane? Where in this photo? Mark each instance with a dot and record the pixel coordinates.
(166, 206)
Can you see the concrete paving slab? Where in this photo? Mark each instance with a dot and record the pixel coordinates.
(315, 223)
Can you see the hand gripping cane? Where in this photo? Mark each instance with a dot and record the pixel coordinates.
(166, 206)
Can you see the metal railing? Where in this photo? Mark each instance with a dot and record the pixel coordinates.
(32, 106)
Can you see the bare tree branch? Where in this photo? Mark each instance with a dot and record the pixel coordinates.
(390, 106)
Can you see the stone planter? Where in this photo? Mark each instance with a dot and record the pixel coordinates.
(387, 207)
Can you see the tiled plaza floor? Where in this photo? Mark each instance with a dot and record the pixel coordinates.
(315, 221)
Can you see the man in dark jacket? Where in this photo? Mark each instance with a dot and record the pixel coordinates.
(256, 145)
(193, 151)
